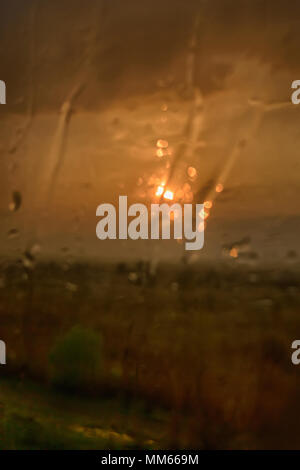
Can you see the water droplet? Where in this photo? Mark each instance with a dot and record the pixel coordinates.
(163, 144)
(28, 260)
(192, 172)
(169, 195)
(133, 277)
(291, 254)
(13, 233)
(70, 286)
(219, 188)
(208, 204)
(234, 253)
(159, 191)
(161, 153)
(35, 249)
(204, 214)
(16, 202)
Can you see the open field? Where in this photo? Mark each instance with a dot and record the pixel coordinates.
(206, 350)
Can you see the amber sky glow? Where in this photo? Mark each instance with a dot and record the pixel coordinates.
(131, 130)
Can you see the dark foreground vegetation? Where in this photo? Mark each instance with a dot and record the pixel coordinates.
(115, 357)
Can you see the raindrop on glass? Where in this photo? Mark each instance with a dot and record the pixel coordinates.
(16, 202)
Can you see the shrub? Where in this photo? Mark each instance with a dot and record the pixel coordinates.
(76, 359)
